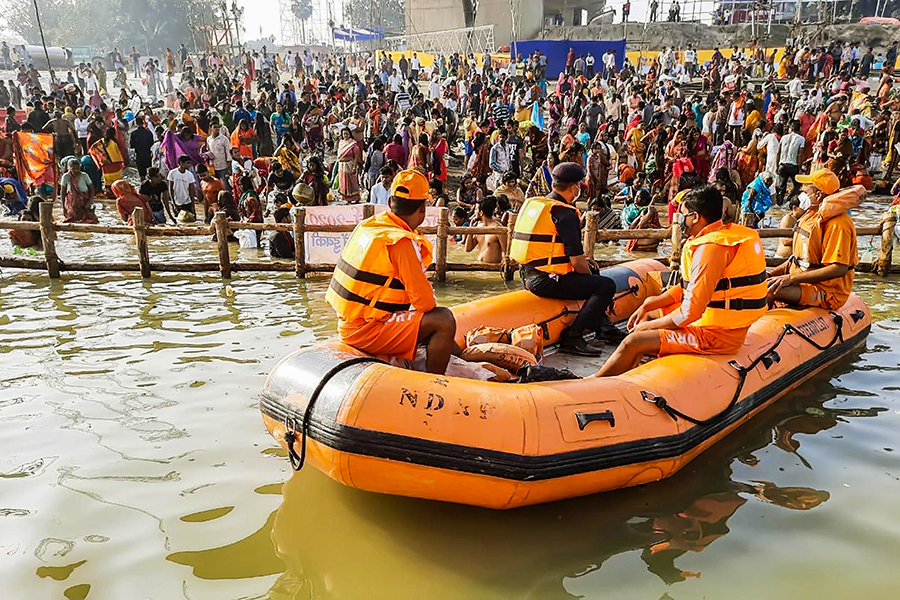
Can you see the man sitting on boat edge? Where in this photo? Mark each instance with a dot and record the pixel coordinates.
(379, 289)
(547, 245)
(723, 292)
(824, 252)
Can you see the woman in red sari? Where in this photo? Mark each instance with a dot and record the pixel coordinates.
(439, 149)
(699, 146)
(676, 158)
(419, 155)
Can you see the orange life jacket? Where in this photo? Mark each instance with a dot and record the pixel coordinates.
(536, 243)
(808, 237)
(740, 296)
(365, 284)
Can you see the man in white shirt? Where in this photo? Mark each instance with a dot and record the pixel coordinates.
(589, 65)
(414, 67)
(864, 123)
(182, 186)
(690, 57)
(394, 81)
(434, 89)
(795, 87)
(90, 84)
(380, 192)
(789, 162)
(218, 146)
(609, 64)
(463, 90)
(708, 127)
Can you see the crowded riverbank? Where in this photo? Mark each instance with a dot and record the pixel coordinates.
(137, 462)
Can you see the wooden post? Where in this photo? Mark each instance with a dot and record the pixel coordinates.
(299, 217)
(220, 222)
(882, 266)
(48, 239)
(509, 265)
(440, 247)
(591, 220)
(140, 240)
(675, 256)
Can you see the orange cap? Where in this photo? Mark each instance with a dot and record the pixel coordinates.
(824, 180)
(410, 185)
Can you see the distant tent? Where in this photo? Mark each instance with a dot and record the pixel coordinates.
(342, 34)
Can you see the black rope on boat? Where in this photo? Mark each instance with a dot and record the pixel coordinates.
(290, 435)
(768, 356)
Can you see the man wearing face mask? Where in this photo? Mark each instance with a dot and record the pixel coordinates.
(547, 245)
(824, 253)
(723, 291)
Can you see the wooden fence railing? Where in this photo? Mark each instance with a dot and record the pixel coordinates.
(222, 227)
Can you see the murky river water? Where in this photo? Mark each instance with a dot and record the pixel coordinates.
(135, 465)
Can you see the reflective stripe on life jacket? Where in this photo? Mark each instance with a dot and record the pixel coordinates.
(365, 284)
(535, 241)
(740, 295)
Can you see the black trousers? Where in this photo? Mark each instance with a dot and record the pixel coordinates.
(787, 172)
(596, 290)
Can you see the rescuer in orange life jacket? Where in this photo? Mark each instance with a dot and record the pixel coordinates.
(824, 252)
(723, 292)
(547, 244)
(383, 299)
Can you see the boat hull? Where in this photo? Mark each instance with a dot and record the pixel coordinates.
(389, 430)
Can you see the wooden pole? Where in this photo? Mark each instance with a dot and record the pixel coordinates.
(37, 14)
(48, 239)
(140, 240)
(509, 265)
(591, 220)
(220, 222)
(882, 266)
(300, 241)
(440, 249)
(675, 256)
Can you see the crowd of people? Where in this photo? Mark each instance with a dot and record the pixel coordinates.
(715, 154)
(261, 131)
(708, 146)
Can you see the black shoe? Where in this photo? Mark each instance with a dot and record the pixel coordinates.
(535, 373)
(609, 333)
(577, 345)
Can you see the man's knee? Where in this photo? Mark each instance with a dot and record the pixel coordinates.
(441, 318)
(641, 342)
(604, 287)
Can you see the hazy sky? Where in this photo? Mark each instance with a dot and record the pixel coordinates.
(263, 16)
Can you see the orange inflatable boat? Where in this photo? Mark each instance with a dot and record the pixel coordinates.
(391, 430)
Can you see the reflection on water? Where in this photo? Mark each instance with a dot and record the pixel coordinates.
(135, 465)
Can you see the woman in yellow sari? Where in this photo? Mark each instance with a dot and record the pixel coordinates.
(108, 157)
(288, 154)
